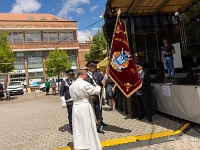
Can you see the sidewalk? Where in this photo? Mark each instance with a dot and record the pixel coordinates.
(35, 121)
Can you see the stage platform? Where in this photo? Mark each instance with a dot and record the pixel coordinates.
(181, 101)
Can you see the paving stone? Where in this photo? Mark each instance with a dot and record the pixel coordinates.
(40, 123)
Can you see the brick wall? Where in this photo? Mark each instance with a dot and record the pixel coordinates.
(37, 24)
(46, 45)
(83, 49)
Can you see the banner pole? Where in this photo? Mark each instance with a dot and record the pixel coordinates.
(126, 33)
(104, 83)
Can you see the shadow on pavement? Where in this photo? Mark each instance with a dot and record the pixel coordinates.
(105, 108)
(11, 98)
(116, 129)
(70, 144)
(64, 128)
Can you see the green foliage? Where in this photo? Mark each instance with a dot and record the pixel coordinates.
(192, 30)
(97, 46)
(7, 56)
(58, 62)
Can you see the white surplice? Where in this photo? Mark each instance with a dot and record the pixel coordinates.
(84, 127)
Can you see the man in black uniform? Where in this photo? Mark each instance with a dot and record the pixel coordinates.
(96, 78)
(143, 95)
(65, 97)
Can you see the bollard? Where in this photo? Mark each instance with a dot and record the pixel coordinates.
(8, 95)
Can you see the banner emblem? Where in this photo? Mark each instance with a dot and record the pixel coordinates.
(120, 60)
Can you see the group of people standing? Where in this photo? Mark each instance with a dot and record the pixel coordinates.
(51, 85)
(84, 105)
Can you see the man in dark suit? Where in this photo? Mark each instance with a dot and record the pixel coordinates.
(143, 95)
(96, 78)
(65, 97)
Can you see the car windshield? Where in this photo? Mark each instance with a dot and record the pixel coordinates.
(14, 84)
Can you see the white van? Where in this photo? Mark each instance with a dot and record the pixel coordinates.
(42, 86)
(15, 88)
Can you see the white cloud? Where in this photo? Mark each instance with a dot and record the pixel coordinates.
(80, 11)
(83, 35)
(25, 6)
(92, 9)
(72, 6)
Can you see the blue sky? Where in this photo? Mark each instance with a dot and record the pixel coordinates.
(85, 12)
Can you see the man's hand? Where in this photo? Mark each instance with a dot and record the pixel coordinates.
(105, 77)
(113, 89)
(63, 101)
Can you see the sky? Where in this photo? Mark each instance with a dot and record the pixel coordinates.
(85, 12)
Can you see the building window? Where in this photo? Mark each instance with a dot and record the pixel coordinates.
(46, 54)
(33, 36)
(43, 18)
(66, 36)
(50, 36)
(54, 18)
(31, 18)
(15, 37)
(34, 60)
(19, 62)
(72, 56)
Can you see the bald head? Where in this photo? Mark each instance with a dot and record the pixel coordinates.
(82, 74)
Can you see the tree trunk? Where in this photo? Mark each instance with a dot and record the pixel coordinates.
(58, 81)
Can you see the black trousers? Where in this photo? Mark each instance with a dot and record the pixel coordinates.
(144, 105)
(97, 110)
(69, 110)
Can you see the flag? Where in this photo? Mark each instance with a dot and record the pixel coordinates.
(122, 69)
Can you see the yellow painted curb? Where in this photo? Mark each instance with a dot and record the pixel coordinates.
(144, 137)
(67, 148)
(119, 141)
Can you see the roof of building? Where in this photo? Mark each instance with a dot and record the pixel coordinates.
(146, 7)
(29, 17)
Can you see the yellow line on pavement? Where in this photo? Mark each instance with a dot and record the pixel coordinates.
(119, 141)
(182, 128)
(144, 137)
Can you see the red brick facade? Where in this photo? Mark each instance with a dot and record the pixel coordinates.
(83, 49)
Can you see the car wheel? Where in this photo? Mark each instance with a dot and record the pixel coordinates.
(22, 92)
(44, 89)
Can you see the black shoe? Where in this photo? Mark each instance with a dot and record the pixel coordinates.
(100, 131)
(140, 118)
(71, 131)
(103, 124)
(150, 119)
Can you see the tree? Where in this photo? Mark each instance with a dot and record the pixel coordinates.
(57, 62)
(97, 46)
(7, 56)
(192, 27)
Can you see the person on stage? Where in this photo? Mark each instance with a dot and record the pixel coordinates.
(167, 57)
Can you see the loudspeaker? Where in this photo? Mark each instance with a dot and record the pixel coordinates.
(155, 78)
(186, 78)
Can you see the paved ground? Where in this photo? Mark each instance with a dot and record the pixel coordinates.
(35, 121)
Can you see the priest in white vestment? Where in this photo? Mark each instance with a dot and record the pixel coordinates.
(85, 135)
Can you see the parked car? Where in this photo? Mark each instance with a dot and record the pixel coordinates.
(42, 86)
(15, 88)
